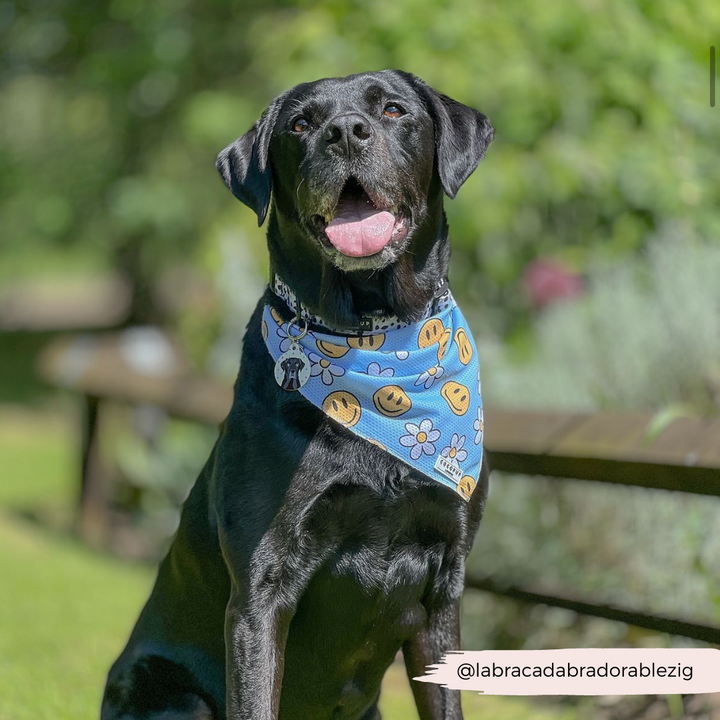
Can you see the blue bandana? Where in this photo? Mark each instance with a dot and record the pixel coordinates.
(414, 390)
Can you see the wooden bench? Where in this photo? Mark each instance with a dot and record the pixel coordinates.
(42, 307)
(679, 454)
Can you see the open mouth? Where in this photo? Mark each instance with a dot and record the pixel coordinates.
(358, 227)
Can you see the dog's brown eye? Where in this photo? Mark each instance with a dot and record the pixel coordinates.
(393, 111)
(300, 124)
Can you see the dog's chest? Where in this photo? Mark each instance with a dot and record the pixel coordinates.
(383, 526)
(389, 556)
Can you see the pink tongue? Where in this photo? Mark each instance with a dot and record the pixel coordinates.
(358, 229)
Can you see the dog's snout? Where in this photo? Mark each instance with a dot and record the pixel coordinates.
(348, 134)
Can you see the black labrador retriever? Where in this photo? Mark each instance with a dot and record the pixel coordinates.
(306, 556)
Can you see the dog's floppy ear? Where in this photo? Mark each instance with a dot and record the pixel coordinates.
(462, 136)
(244, 165)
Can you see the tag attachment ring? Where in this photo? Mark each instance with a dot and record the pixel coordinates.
(296, 322)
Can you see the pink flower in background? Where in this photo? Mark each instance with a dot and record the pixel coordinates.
(548, 281)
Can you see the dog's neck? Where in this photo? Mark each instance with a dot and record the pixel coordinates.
(403, 288)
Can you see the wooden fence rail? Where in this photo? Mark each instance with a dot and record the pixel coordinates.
(630, 449)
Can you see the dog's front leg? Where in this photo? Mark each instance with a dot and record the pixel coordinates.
(256, 630)
(265, 593)
(440, 634)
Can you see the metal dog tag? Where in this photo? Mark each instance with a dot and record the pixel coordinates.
(292, 369)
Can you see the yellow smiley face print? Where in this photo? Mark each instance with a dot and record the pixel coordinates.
(443, 344)
(466, 486)
(457, 396)
(392, 401)
(465, 351)
(377, 443)
(430, 333)
(367, 342)
(332, 350)
(276, 317)
(343, 407)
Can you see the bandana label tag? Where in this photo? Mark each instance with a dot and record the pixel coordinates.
(448, 468)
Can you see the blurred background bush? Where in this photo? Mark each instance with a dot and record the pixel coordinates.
(585, 247)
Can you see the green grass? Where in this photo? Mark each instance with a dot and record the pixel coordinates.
(67, 611)
(63, 618)
(39, 460)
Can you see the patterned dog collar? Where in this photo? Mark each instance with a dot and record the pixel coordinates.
(368, 323)
(413, 390)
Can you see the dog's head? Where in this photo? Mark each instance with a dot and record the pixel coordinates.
(356, 164)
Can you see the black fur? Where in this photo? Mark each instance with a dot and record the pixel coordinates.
(307, 557)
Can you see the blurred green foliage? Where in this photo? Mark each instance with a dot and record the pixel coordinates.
(112, 113)
(646, 335)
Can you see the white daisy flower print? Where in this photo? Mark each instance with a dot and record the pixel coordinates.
(420, 438)
(375, 370)
(479, 426)
(429, 377)
(285, 342)
(324, 368)
(454, 451)
(402, 354)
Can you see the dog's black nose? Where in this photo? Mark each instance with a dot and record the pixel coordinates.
(348, 134)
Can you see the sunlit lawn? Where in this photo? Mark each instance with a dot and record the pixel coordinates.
(65, 611)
